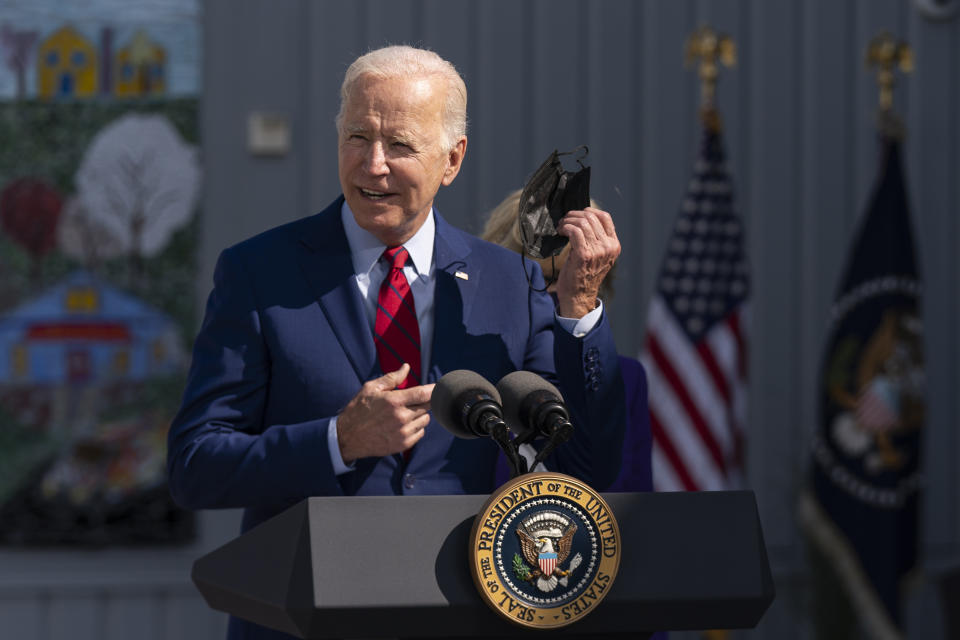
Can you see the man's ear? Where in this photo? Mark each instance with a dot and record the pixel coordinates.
(455, 161)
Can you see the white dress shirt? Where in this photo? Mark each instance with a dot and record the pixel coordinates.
(369, 271)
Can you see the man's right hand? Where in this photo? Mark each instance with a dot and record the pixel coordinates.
(382, 420)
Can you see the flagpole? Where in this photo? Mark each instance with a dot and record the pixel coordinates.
(887, 54)
(711, 49)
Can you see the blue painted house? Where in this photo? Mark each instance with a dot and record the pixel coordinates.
(84, 330)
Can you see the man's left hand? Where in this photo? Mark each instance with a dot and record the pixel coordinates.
(594, 248)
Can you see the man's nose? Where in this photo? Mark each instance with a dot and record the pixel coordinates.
(376, 161)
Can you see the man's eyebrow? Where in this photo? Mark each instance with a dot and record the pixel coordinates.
(403, 136)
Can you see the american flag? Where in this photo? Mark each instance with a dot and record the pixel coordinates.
(695, 350)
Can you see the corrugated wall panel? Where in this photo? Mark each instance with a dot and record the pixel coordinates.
(78, 616)
(825, 193)
(497, 104)
(559, 58)
(949, 443)
(242, 57)
(774, 225)
(933, 172)
(186, 616)
(390, 22)
(23, 615)
(668, 146)
(137, 615)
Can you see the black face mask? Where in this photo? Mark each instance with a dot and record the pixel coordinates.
(549, 194)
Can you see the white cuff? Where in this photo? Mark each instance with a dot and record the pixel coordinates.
(580, 327)
(336, 459)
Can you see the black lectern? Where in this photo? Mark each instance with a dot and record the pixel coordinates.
(398, 567)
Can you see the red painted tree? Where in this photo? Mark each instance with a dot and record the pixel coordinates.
(29, 212)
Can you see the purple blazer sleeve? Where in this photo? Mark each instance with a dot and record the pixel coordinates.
(635, 470)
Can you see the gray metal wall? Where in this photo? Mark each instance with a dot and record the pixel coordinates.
(548, 74)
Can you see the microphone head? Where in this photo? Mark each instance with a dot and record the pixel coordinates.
(523, 392)
(455, 394)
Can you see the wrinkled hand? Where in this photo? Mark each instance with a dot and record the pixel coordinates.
(594, 248)
(382, 420)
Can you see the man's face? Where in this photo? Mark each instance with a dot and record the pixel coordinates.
(391, 154)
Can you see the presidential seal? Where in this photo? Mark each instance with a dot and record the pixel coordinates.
(544, 550)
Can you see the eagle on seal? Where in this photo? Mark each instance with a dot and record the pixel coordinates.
(546, 540)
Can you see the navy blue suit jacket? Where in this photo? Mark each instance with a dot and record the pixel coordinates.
(285, 344)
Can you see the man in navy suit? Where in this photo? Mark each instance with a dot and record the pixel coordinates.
(287, 397)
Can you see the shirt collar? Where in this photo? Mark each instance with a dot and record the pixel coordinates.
(366, 249)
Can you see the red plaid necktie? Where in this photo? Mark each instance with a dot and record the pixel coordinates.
(396, 330)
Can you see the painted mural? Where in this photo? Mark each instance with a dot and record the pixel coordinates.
(99, 206)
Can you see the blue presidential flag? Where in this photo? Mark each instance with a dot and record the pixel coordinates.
(860, 510)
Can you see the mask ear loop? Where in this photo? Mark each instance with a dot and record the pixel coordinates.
(523, 261)
(579, 159)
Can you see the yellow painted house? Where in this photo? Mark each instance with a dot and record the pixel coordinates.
(141, 68)
(67, 65)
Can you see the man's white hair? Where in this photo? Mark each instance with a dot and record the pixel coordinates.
(401, 61)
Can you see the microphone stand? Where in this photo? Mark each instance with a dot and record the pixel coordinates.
(560, 432)
(500, 434)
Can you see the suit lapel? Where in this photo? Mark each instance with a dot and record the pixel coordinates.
(456, 288)
(325, 259)
(324, 256)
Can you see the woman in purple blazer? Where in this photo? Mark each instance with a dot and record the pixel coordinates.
(635, 470)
